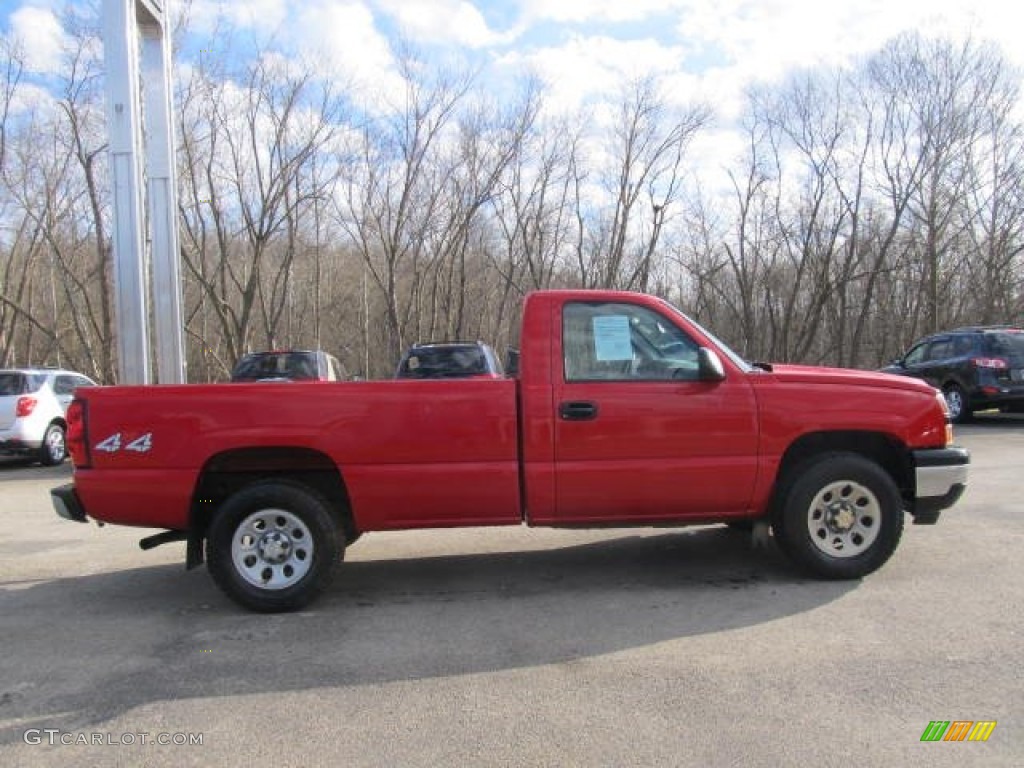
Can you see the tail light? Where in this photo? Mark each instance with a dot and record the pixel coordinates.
(25, 406)
(77, 437)
(996, 363)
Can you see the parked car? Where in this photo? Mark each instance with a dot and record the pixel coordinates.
(976, 368)
(33, 402)
(289, 365)
(450, 360)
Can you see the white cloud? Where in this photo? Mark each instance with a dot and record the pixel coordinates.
(40, 37)
(29, 98)
(259, 15)
(343, 38)
(588, 11)
(765, 38)
(441, 21)
(588, 67)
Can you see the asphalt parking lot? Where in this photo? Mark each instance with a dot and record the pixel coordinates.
(650, 647)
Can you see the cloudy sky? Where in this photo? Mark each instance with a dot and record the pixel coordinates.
(704, 49)
(711, 47)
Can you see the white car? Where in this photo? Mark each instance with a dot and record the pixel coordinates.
(33, 402)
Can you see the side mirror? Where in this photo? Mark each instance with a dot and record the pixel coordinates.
(709, 365)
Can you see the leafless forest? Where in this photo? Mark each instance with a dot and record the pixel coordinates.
(869, 205)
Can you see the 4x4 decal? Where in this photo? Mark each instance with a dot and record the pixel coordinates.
(112, 444)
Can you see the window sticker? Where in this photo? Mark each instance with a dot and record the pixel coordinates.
(612, 339)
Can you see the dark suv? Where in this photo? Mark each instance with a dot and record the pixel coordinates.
(450, 360)
(976, 368)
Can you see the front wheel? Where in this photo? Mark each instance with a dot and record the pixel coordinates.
(273, 546)
(840, 517)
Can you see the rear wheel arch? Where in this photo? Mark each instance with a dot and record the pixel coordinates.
(227, 473)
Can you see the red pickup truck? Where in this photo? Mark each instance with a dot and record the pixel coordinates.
(623, 412)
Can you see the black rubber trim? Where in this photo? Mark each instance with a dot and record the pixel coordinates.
(927, 509)
(941, 457)
(64, 498)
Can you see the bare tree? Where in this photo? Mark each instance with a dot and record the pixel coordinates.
(254, 165)
(647, 144)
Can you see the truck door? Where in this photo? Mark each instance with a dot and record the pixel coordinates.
(638, 435)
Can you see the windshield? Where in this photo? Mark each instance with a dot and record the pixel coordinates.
(738, 361)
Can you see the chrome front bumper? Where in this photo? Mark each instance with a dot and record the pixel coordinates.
(941, 477)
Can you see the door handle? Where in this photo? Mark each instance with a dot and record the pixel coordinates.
(577, 410)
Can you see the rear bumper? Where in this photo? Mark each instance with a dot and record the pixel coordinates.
(941, 477)
(67, 504)
(15, 446)
(22, 436)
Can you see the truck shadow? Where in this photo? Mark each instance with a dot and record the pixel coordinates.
(86, 649)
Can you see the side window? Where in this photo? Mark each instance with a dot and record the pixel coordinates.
(81, 381)
(941, 350)
(962, 346)
(916, 355)
(604, 341)
(64, 385)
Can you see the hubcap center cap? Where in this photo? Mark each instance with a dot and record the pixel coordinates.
(842, 517)
(275, 547)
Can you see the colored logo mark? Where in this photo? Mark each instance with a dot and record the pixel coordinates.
(958, 730)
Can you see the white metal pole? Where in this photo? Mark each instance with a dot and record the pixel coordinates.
(125, 140)
(162, 197)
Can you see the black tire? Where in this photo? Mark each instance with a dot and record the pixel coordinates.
(273, 546)
(958, 402)
(54, 449)
(839, 516)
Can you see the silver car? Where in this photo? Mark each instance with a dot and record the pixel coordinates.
(33, 402)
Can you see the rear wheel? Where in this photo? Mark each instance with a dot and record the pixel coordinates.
(273, 546)
(54, 448)
(840, 516)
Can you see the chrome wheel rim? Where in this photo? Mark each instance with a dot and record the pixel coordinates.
(272, 549)
(55, 444)
(844, 519)
(955, 402)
